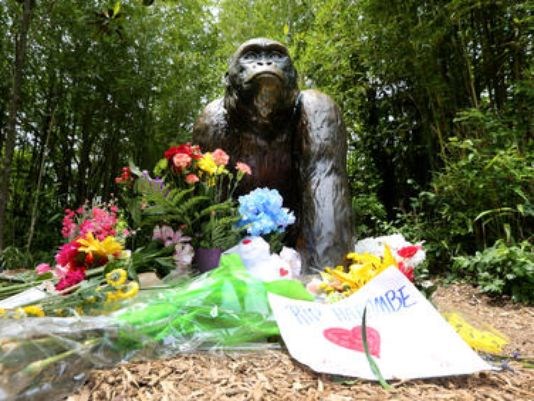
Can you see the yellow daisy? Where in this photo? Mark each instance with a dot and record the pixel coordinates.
(116, 277)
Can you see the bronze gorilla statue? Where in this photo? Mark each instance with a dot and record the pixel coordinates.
(294, 141)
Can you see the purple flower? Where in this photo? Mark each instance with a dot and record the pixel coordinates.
(168, 236)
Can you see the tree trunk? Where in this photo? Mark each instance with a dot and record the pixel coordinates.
(33, 220)
(9, 144)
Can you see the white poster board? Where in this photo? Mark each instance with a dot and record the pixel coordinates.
(407, 337)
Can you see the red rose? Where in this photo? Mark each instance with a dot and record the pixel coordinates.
(192, 151)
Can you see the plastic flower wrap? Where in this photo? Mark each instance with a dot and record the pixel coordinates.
(371, 257)
(226, 307)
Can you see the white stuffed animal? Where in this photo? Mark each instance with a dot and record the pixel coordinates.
(257, 258)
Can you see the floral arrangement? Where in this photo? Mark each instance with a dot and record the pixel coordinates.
(95, 235)
(371, 257)
(91, 270)
(193, 195)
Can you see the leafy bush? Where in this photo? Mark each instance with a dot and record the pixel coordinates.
(501, 269)
(484, 191)
(15, 258)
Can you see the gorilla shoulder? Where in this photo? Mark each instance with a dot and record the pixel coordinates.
(211, 125)
(322, 116)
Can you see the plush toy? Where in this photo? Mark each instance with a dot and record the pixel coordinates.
(264, 265)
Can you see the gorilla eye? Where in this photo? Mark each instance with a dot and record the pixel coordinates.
(277, 55)
(248, 56)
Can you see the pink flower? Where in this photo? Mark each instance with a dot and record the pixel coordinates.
(181, 161)
(69, 227)
(67, 253)
(243, 167)
(61, 271)
(220, 157)
(86, 226)
(191, 179)
(42, 268)
(73, 277)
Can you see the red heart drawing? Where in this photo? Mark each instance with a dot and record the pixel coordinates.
(352, 339)
(283, 272)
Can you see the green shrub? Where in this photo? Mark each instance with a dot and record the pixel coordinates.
(15, 258)
(482, 194)
(501, 269)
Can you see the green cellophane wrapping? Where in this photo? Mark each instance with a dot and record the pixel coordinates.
(45, 358)
(224, 307)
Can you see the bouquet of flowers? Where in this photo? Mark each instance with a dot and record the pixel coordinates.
(193, 197)
(91, 267)
(371, 256)
(95, 236)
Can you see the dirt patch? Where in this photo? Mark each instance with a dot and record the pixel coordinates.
(273, 375)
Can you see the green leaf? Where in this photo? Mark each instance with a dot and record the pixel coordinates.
(372, 364)
(116, 8)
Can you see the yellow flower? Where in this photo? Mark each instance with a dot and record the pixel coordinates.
(91, 299)
(33, 310)
(2, 312)
(132, 288)
(207, 164)
(116, 277)
(362, 258)
(110, 246)
(113, 296)
(389, 259)
(128, 291)
(489, 341)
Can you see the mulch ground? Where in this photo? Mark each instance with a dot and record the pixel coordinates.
(273, 375)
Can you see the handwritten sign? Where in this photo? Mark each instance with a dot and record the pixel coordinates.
(407, 337)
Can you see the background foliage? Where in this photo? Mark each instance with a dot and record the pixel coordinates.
(437, 98)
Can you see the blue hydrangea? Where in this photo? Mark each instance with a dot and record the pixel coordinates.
(262, 212)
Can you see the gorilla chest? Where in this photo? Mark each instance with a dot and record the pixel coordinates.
(271, 162)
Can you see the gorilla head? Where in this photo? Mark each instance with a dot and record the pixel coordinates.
(261, 82)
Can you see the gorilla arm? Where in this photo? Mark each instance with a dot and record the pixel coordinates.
(326, 219)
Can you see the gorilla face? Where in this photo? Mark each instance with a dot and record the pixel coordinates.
(262, 75)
